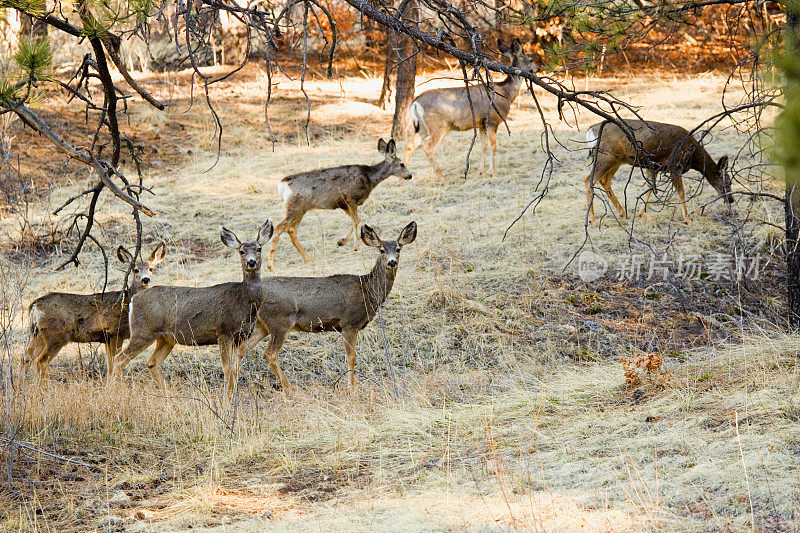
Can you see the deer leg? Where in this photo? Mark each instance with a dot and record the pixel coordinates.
(492, 134)
(259, 332)
(677, 181)
(273, 243)
(590, 198)
(32, 351)
(292, 231)
(605, 181)
(651, 181)
(433, 140)
(484, 141)
(135, 346)
(225, 347)
(276, 339)
(163, 347)
(113, 345)
(411, 145)
(350, 338)
(237, 354)
(47, 355)
(353, 213)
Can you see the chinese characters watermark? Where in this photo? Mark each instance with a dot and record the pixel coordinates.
(592, 266)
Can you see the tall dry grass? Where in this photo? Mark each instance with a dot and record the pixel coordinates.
(484, 402)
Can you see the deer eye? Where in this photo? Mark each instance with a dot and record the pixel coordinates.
(383, 251)
(135, 270)
(241, 252)
(259, 248)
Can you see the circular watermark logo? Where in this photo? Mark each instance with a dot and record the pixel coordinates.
(591, 266)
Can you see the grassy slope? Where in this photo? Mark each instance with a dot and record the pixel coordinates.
(508, 410)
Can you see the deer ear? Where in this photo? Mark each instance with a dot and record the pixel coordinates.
(228, 237)
(157, 254)
(124, 255)
(390, 147)
(265, 232)
(369, 236)
(502, 47)
(382, 146)
(516, 46)
(408, 234)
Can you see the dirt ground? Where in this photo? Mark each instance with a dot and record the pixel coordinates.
(498, 389)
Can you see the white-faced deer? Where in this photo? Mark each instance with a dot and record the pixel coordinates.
(221, 314)
(345, 303)
(345, 188)
(661, 148)
(435, 112)
(58, 318)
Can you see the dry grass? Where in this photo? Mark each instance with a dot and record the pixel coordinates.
(485, 402)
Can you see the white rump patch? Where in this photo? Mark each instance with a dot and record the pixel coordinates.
(284, 191)
(36, 315)
(416, 115)
(592, 136)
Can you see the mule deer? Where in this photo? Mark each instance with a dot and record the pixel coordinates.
(345, 187)
(345, 303)
(435, 112)
(221, 314)
(58, 318)
(661, 148)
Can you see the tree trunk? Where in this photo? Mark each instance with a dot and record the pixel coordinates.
(389, 72)
(406, 75)
(792, 205)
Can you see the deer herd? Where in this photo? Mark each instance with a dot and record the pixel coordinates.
(236, 316)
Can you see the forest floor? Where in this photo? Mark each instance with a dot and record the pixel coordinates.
(499, 389)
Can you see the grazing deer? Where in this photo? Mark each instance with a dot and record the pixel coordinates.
(221, 314)
(345, 187)
(345, 303)
(661, 148)
(58, 318)
(435, 112)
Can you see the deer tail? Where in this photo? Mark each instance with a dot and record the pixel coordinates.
(416, 114)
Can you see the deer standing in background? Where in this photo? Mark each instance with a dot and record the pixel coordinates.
(345, 303)
(435, 112)
(221, 314)
(661, 148)
(345, 188)
(58, 318)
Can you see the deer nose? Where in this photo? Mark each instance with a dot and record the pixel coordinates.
(145, 281)
(251, 263)
(392, 263)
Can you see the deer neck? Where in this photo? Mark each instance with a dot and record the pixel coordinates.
(251, 281)
(378, 284)
(128, 293)
(377, 173)
(510, 86)
(703, 163)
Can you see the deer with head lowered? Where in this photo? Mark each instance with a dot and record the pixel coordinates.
(59, 318)
(659, 148)
(435, 112)
(345, 187)
(345, 303)
(221, 314)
